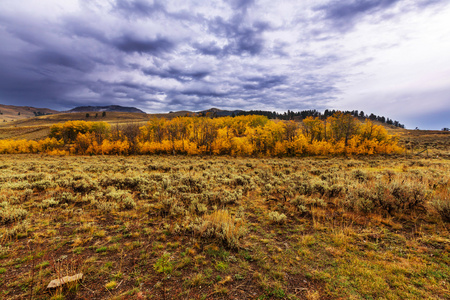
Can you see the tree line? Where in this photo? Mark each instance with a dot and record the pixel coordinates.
(253, 135)
(300, 115)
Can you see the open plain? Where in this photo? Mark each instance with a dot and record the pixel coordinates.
(200, 227)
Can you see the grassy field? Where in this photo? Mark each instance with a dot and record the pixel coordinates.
(176, 227)
(436, 142)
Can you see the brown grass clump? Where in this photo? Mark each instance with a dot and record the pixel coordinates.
(441, 203)
(221, 225)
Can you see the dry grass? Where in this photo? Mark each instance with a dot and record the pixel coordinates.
(175, 227)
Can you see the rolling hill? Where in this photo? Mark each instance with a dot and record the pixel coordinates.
(110, 108)
(11, 112)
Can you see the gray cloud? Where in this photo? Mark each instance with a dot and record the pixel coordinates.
(241, 38)
(58, 59)
(241, 4)
(178, 74)
(128, 43)
(344, 15)
(261, 83)
(138, 8)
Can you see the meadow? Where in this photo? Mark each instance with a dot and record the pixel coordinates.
(222, 227)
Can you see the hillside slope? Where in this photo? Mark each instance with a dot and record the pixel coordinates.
(110, 108)
(11, 112)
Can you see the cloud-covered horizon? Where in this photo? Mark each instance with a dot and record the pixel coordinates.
(389, 57)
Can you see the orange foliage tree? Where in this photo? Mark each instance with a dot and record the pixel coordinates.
(340, 134)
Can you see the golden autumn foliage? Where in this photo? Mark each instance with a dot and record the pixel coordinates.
(340, 134)
(69, 130)
(27, 146)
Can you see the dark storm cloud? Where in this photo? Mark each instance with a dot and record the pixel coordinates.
(177, 74)
(314, 88)
(139, 8)
(240, 4)
(122, 39)
(183, 102)
(129, 43)
(132, 9)
(260, 83)
(344, 15)
(241, 38)
(36, 90)
(120, 89)
(54, 58)
(341, 10)
(210, 48)
(202, 92)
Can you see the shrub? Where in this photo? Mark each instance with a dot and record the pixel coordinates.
(166, 206)
(359, 175)
(359, 199)
(364, 205)
(49, 203)
(221, 225)
(400, 196)
(198, 207)
(27, 193)
(112, 284)
(66, 197)
(304, 188)
(16, 231)
(276, 217)
(9, 214)
(320, 187)
(392, 197)
(442, 204)
(222, 197)
(132, 183)
(122, 198)
(443, 208)
(164, 264)
(335, 190)
(196, 185)
(42, 185)
(107, 206)
(303, 201)
(85, 185)
(231, 197)
(316, 202)
(241, 180)
(21, 185)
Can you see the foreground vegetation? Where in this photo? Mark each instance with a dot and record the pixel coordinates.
(177, 227)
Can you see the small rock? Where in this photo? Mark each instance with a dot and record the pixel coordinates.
(61, 281)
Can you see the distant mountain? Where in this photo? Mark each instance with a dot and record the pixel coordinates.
(12, 112)
(117, 108)
(220, 113)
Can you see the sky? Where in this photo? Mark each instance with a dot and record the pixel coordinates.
(387, 57)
